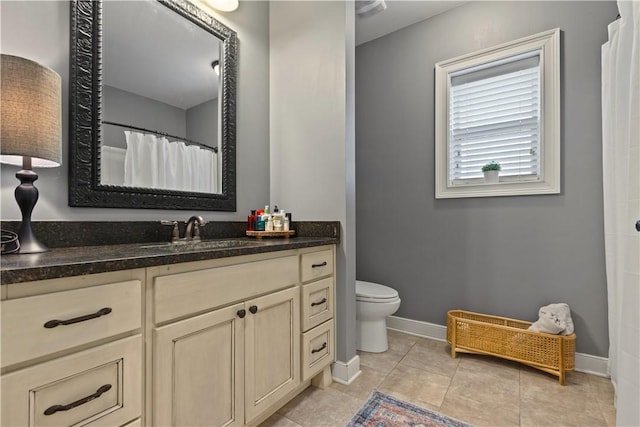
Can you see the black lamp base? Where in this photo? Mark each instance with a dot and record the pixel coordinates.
(27, 196)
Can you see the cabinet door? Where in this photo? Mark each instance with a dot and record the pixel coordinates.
(272, 349)
(198, 370)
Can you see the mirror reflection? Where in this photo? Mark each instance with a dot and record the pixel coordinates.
(160, 100)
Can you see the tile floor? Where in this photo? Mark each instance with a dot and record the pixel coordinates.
(481, 391)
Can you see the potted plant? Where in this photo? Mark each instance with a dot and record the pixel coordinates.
(491, 171)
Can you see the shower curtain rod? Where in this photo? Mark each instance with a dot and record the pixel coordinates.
(215, 149)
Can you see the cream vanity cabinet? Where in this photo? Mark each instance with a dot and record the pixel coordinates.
(72, 351)
(226, 338)
(225, 341)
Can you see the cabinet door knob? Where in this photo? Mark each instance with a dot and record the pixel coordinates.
(57, 408)
(321, 264)
(102, 312)
(253, 309)
(322, 301)
(241, 313)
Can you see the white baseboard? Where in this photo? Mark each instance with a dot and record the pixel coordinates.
(346, 373)
(416, 327)
(591, 364)
(586, 363)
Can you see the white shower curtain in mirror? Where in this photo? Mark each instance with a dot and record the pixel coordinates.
(155, 162)
(111, 165)
(621, 184)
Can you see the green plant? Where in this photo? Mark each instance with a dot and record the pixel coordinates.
(491, 166)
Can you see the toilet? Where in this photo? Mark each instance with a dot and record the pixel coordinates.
(374, 302)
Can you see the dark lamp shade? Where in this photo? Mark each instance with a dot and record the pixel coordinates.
(31, 113)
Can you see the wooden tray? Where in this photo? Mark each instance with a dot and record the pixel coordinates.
(261, 234)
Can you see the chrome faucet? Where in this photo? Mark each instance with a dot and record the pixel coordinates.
(192, 231)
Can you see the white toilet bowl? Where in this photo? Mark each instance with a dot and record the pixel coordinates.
(374, 303)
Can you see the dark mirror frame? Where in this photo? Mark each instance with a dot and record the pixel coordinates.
(85, 118)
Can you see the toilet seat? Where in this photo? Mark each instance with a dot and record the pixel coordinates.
(374, 292)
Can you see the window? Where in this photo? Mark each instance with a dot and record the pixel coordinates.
(500, 105)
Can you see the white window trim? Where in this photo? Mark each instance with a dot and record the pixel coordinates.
(549, 44)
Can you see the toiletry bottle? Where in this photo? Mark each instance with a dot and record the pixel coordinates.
(268, 225)
(266, 209)
(289, 221)
(251, 221)
(277, 220)
(285, 225)
(259, 221)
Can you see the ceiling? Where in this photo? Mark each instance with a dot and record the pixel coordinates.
(144, 68)
(399, 14)
(152, 51)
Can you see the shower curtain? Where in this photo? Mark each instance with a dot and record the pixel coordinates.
(155, 162)
(111, 165)
(621, 185)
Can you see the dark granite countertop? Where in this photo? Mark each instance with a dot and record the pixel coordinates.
(76, 261)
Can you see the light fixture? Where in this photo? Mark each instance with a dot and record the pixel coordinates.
(365, 8)
(216, 67)
(223, 5)
(30, 132)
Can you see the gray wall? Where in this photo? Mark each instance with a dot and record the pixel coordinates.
(202, 123)
(129, 108)
(40, 31)
(501, 255)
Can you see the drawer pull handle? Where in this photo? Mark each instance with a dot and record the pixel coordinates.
(322, 301)
(59, 408)
(242, 313)
(318, 350)
(322, 264)
(253, 309)
(102, 312)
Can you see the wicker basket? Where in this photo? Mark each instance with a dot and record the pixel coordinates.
(469, 332)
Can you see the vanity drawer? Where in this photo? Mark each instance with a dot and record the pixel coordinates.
(315, 265)
(100, 386)
(182, 294)
(82, 315)
(317, 303)
(317, 349)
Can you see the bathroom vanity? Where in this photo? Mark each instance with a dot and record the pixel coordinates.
(161, 335)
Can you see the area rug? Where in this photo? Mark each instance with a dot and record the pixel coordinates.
(382, 410)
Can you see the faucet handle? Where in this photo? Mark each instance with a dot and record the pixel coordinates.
(196, 231)
(175, 233)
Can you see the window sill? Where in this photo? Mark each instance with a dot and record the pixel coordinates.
(496, 190)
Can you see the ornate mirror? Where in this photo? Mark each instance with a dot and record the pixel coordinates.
(152, 100)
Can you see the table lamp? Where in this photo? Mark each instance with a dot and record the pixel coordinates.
(30, 132)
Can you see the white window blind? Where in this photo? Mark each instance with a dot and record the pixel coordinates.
(494, 115)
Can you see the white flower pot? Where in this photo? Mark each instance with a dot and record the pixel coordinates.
(491, 177)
